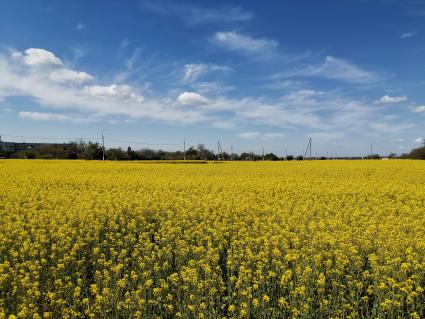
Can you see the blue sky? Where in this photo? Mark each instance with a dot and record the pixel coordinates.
(251, 74)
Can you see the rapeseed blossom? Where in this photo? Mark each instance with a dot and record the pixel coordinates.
(320, 239)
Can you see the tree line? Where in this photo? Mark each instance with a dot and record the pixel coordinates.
(95, 151)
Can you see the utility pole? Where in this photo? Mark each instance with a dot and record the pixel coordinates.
(103, 145)
(231, 152)
(263, 153)
(219, 152)
(371, 151)
(310, 148)
(184, 149)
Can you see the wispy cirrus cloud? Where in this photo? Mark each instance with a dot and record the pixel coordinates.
(192, 71)
(260, 135)
(325, 137)
(192, 14)
(407, 35)
(333, 69)
(235, 41)
(80, 26)
(29, 74)
(47, 116)
(33, 74)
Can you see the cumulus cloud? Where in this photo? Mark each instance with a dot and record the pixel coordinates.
(396, 140)
(420, 140)
(386, 99)
(58, 88)
(66, 75)
(114, 92)
(192, 98)
(419, 109)
(41, 76)
(37, 57)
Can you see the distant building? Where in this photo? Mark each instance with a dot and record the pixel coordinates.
(12, 147)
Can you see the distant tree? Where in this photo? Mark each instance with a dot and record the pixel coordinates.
(91, 151)
(392, 155)
(116, 154)
(271, 157)
(191, 153)
(289, 157)
(300, 158)
(249, 156)
(131, 155)
(205, 154)
(418, 153)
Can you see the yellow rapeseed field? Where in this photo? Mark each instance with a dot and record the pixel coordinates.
(321, 239)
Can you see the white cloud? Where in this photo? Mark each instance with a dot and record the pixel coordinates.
(211, 87)
(396, 140)
(420, 140)
(249, 135)
(193, 71)
(419, 109)
(235, 41)
(80, 26)
(192, 98)
(19, 77)
(324, 137)
(46, 116)
(316, 110)
(284, 85)
(258, 135)
(333, 69)
(386, 99)
(36, 57)
(407, 35)
(272, 136)
(66, 75)
(114, 92)
(43, 116)
(388, 128)
(194, 15)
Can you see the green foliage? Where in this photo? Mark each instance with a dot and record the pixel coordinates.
(418, 153)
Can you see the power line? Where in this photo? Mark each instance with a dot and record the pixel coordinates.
(51, 138)
(143, 143)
